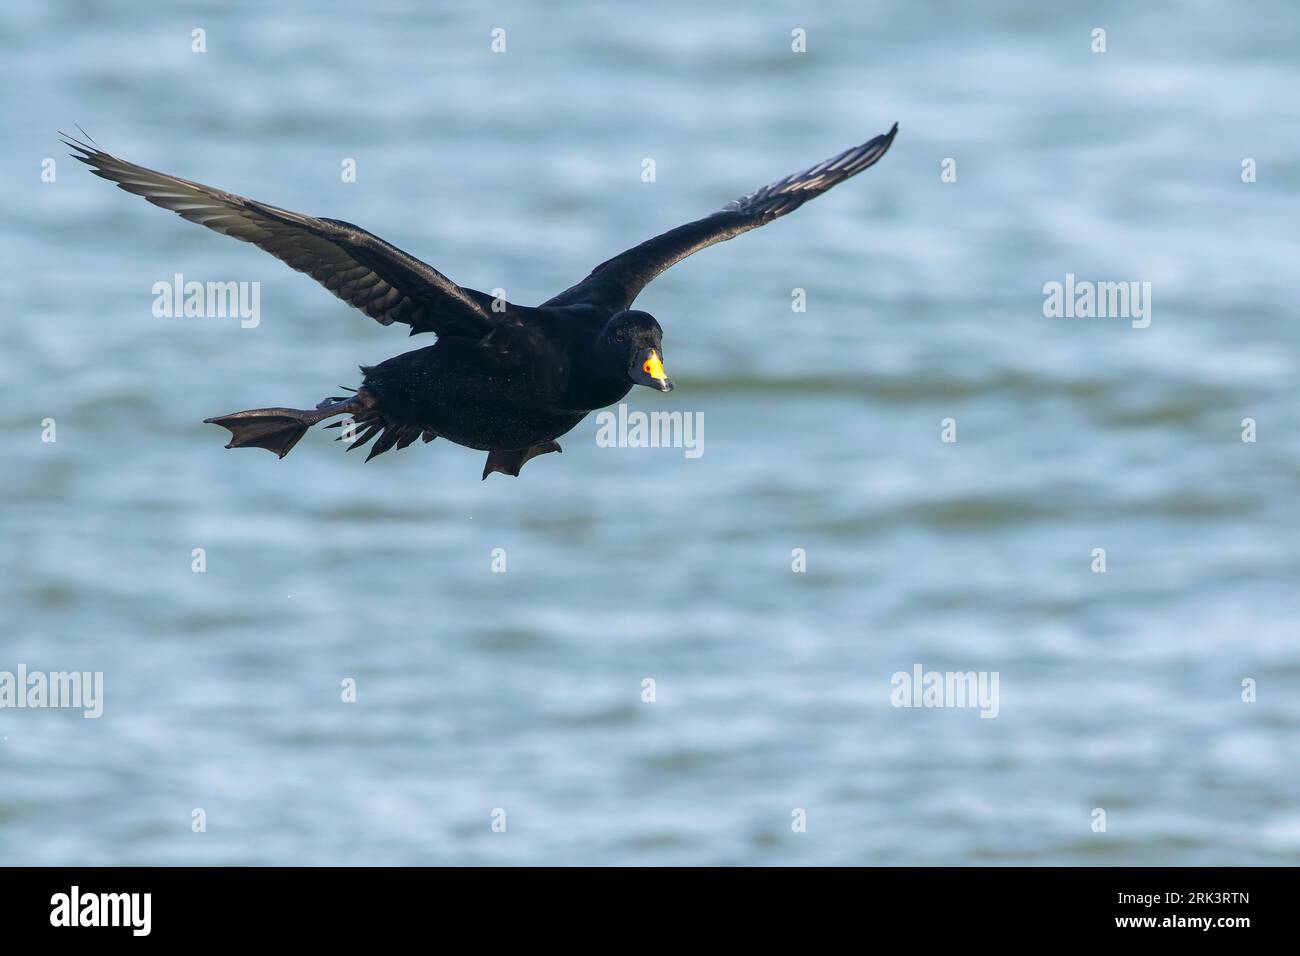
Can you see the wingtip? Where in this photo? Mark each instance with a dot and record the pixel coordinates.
(84, 150)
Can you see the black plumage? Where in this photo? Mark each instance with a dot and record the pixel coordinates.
(503, 378)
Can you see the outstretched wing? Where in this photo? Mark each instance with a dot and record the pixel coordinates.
(357, 266)
(616, 283)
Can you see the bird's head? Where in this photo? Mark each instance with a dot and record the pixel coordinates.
(635, 339)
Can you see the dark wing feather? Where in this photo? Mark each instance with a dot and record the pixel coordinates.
(616, 283)
(357, 266)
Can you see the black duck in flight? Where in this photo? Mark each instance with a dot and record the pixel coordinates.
(503, 378)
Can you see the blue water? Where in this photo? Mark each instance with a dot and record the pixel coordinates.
(522, 691)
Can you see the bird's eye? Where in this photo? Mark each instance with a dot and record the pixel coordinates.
(620, 335)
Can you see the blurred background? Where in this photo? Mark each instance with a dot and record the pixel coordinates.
(523, 691)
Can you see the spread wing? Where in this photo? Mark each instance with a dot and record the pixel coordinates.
(616, 283)
(363, 270)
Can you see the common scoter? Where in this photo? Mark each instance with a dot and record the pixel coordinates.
(503, 378)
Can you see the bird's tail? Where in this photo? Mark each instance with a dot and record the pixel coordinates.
(278, 429)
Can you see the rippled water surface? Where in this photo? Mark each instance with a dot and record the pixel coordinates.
(523, 691)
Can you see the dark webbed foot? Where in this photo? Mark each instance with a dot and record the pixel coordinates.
(278, 429)
(510, 462)
(277, 433)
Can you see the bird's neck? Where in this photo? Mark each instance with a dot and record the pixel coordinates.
(600, 381)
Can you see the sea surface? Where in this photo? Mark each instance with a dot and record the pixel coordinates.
(650, 680)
